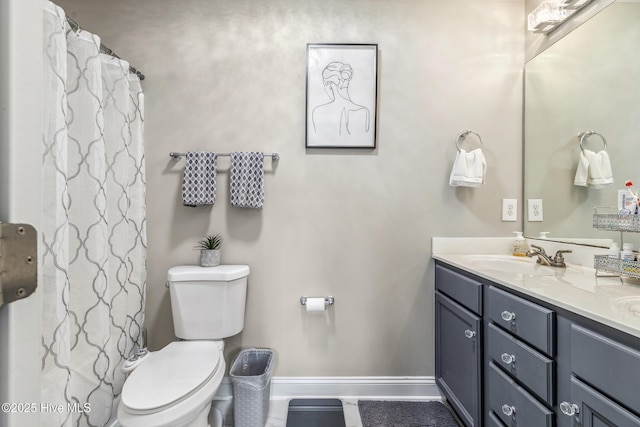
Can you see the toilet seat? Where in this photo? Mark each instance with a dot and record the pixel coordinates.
(170, 376)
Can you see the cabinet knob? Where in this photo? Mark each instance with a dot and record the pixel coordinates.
(569, 409)
(469, 333)
(508, 358)
(508, 316)
(508, 410)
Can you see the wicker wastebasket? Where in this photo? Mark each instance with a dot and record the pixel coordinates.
(250, 376)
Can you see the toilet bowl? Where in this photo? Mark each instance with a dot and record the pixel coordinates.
(174, 387)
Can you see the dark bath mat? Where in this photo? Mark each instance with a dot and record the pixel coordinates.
(393, 413)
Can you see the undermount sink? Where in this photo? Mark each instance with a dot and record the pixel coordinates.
(515, 265)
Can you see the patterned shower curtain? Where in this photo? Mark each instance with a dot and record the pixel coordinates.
(93, 233)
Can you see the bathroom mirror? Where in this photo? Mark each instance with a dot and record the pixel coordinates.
(588, 81)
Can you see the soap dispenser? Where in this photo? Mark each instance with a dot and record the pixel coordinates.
(519, 245)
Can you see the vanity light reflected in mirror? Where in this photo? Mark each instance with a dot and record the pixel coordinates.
(549, 15)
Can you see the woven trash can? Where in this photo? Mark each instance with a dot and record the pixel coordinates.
(250, 376)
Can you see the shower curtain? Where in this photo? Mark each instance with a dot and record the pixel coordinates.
(93, 226)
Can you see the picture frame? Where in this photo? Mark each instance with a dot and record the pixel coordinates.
(341, 95)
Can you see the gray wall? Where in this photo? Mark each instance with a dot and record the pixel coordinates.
(230, 75)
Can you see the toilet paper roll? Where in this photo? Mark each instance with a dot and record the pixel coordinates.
(315, 304)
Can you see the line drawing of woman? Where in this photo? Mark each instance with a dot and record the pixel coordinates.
(341, 116)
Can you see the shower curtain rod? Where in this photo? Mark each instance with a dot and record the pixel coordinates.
(75, 27)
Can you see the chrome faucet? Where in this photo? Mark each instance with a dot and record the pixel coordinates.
(544, 259)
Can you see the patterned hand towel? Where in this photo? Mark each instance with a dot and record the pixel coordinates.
(199, 182)
(246, 183)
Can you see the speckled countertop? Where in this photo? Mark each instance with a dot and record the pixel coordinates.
(612, 301)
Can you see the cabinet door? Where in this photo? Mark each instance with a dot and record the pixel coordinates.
(591, 409)
(458, 358)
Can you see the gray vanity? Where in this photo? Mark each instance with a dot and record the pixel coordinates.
(518, 349)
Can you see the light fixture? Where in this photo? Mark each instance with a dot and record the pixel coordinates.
(573, 4)
(550, 15)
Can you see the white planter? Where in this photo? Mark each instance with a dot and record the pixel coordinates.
(209, 257)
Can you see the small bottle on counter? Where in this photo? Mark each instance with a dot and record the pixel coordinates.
(519, 245)
(614, 251)
(627, 253)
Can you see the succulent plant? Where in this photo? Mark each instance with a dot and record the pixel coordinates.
(210, 242)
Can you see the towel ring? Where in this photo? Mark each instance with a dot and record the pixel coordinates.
(462, 135)
(585, 135)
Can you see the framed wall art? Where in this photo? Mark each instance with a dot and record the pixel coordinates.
(341, 95)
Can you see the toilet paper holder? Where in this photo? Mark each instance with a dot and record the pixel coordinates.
(327, 300)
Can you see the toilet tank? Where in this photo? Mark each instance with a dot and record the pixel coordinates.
(207, 302)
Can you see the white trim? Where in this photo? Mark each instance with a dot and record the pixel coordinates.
(20, 201)
(386, 388)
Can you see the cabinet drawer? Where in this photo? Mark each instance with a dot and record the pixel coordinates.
(529, 366)
(463, 289)
(505, 396)
(606, 365)
(530, 322)
(596, 409)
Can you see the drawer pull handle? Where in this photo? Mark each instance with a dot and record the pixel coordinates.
(569, 409)
(508, 358)
(508, 316)
(469, 333)
(508, 410)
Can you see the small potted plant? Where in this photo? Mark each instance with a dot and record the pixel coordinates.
(210, 250)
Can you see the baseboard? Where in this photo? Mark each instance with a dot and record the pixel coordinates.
(386, 388)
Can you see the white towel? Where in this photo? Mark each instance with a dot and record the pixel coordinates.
(246, 181)
(199, 182)
(468, 169)
(594, 170)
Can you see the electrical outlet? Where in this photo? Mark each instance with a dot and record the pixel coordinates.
(535, 209)
(509, 209)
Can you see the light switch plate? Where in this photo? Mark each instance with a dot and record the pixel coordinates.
(509, 209)
(535, 210)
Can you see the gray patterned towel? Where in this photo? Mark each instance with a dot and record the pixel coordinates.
(246, 183)
(199, 182)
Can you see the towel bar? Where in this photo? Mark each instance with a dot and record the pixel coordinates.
(176, 156)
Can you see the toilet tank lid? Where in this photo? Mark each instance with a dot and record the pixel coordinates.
(221, 273)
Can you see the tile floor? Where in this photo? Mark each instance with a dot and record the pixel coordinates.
(278, 408)
(278, 412)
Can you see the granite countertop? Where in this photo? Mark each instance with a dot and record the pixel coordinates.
(612, 301)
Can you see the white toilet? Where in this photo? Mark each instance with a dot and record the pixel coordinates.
(174, 386)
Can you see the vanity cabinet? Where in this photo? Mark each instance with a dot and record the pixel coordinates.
(505, 359)
(458, 304)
